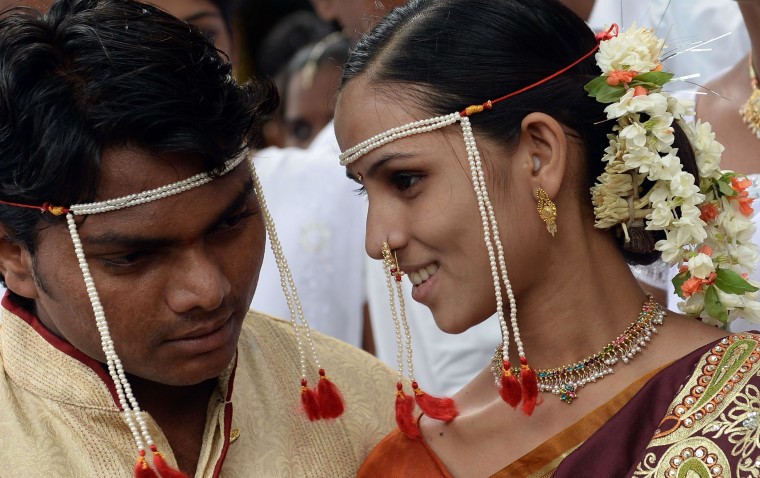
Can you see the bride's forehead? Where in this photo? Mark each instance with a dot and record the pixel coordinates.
(364, 111)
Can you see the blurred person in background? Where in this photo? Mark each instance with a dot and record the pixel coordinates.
(278, 48)
(311, 83)
(212, 17)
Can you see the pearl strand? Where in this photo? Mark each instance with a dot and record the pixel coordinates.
(152, 194)
(489, 224)
(405, 324)
(286, 278)
(388, 265)
(497, 241)
(127, 401)
(409, 129)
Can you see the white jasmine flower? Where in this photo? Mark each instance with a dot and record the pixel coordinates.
(708, 151)
(680, 107)
(693, 305)
(671, 250)
(745, 255)
(612, 151)
(653, 104)
(682, 184)
(701, 266)
(640, 159)
(635, 136)
(660, 217)
(689, 227)
(666, 167)
(636, 49)
(621, 108)
(734, 222)
(662, 129)
(641, 150)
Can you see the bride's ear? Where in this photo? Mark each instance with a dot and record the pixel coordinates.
(542, 152)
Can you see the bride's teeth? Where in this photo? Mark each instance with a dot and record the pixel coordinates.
(423, 274)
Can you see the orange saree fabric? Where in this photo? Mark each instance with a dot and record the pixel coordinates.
(398, 456)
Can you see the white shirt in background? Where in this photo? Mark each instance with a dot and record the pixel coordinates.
(320, 224)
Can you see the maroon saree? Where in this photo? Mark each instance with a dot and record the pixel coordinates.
(697, 417)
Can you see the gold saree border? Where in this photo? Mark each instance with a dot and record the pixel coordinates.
(546, 457)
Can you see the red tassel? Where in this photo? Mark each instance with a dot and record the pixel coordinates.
(510, 390)
(438, 408)
(142, 469)
(329, 397)
(309, 401)
(163, 469)
(405, 414)
(529, 387)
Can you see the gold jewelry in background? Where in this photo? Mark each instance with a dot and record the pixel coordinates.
(750, 111)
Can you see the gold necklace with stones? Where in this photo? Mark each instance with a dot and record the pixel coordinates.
(565, 381)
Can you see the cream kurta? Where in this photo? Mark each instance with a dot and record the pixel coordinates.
(58, 417)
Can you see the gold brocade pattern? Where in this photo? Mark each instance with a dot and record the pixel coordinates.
(713, 422)
(58, 418)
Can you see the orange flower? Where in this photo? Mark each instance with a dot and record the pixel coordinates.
(742, 196)
(707, 250)
(620, 76)
(692, 286)
(745, 205)
(739, 185)
(709, 212)
(640, 91)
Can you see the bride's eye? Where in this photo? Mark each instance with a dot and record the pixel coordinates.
(403, 180)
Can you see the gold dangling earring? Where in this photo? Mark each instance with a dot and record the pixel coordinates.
(547, 210)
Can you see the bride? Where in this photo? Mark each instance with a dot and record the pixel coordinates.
(515, 162)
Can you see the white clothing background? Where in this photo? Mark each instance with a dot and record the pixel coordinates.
(320, 223)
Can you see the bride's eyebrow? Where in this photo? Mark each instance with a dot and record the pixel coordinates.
(385, 159)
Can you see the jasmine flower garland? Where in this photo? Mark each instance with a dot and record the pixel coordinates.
(708, 226)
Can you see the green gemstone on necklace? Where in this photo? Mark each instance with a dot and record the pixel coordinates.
(567, 393)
